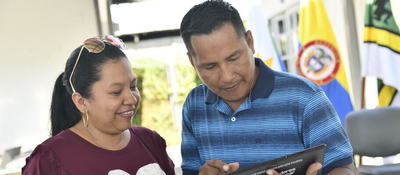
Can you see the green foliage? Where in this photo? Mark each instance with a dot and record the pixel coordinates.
(156, 111)
(137, 120)
(187, 80)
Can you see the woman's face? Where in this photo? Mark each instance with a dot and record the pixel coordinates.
(114, 98)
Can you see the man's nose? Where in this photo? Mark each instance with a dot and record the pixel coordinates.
(226, 74)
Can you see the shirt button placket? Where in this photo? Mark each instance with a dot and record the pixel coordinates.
(233, 119)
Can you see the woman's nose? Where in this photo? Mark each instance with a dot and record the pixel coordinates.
(131, 98)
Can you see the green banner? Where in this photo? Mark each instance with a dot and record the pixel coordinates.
(378, 13)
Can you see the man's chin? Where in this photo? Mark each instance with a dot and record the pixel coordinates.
(232, 100)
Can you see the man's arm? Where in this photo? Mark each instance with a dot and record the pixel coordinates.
(190, 153)
(321, 125)
(348, 169)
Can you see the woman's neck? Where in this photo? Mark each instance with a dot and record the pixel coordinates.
(101, 139)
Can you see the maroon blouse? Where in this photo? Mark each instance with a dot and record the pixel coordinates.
(68, 153)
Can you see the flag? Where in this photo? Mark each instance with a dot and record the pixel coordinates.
(263, 44)
(381, 52)
(319, 58)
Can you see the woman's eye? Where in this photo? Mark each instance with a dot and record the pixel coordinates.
(116, 93)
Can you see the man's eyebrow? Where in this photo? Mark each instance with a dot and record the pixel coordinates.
(207, 64)
(233, 54)
(228, 57)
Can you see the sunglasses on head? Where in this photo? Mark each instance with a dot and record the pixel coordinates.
(95, 45)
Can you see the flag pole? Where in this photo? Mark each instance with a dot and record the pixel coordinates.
(363, 93)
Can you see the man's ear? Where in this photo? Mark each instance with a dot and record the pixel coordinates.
(250, 41)
(79, 102)
(190, 58)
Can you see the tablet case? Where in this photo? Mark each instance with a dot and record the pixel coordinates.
(293, 164)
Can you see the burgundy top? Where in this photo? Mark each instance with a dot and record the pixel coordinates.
(68, 153)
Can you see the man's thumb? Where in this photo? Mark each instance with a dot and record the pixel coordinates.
(231, 167)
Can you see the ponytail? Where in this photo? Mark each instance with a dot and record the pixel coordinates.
(63, 112)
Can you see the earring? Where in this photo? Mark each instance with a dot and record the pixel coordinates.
(85, 123)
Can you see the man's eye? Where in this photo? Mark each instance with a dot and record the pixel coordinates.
(232, 59)
(209, 67)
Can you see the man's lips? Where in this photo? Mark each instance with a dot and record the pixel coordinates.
(230, 88)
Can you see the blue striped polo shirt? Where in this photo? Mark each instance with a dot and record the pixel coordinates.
(283, 114)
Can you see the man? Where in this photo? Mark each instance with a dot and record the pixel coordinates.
(245, 113)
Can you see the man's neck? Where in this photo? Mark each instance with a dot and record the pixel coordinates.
(234, 105)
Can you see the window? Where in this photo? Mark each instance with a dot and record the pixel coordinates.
(284, 28)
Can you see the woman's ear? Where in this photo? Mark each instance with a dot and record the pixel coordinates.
(79, 102)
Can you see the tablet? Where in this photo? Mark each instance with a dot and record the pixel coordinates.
(293, 164)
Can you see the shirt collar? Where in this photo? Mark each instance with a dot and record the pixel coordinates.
(262, 88)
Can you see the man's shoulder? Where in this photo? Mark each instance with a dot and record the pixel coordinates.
(199, 91)
(290, 80)
(202, 88)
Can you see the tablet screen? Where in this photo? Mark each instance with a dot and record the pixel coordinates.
(293, 164)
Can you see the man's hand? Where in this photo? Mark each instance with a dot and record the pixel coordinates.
(311, 170)
(217, 167)
(349, 169)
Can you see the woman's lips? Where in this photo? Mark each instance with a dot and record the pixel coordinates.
(127, 114)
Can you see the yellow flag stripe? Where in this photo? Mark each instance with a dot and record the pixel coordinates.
(382, 37)
(312, 13)
(268, 62)
(386, 95)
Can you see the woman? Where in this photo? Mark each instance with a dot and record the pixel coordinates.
(93, 102)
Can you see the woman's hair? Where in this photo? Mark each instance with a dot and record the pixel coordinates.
(63, 112)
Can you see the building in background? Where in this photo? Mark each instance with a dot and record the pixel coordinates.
(38, 36)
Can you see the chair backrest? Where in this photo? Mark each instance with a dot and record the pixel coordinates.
(9, 155)
(374, 132)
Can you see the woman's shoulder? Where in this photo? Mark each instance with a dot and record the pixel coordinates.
(53, 145)
(45, 154)
(147, 135)
(43, 151)
(143, 131)
(62, 138)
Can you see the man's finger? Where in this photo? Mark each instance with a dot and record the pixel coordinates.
(216, 163)
(228, 168)
(271, 172)
(313, 168)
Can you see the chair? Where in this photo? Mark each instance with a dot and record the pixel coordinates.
(9, 155)
(375, 133)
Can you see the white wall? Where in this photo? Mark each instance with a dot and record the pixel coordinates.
(36, 39)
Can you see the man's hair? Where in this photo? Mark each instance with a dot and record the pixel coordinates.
(207, 17)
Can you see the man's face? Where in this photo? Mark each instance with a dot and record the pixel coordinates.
(224, 61)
